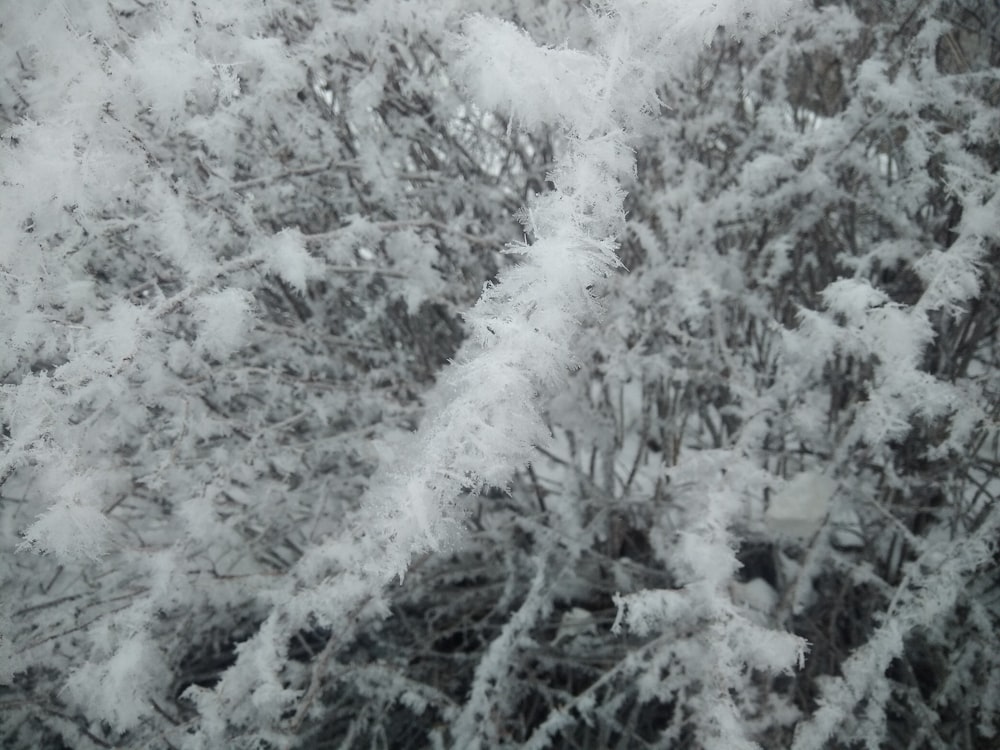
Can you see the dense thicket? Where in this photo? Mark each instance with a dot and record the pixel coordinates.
(737, 488)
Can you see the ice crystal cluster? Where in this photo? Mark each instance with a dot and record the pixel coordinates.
(487, 374)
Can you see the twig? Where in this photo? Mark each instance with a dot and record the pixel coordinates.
(163, 713)
(46, 605)
(389, 226)
(315, 681)
(300, 172)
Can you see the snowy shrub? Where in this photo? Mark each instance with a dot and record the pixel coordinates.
(500, 374)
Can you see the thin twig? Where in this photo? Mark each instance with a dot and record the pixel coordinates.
(315, 682)
(300, 172)
(389, 226)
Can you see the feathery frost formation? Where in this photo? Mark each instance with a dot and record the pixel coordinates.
(500, 374)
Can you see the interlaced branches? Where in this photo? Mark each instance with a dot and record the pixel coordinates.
(237, 244)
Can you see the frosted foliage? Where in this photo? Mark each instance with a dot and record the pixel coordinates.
(499, 374)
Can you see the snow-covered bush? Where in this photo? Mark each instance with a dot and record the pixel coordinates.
(710, 462)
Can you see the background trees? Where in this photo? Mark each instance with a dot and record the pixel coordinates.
(238, 243)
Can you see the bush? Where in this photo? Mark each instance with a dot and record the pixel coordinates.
(710, 463)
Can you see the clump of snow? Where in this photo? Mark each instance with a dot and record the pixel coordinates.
(119, 689)
(414, 257)
(286, 257)
(800, 507)
(224, 319)
(71, 530)
(502, 68)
